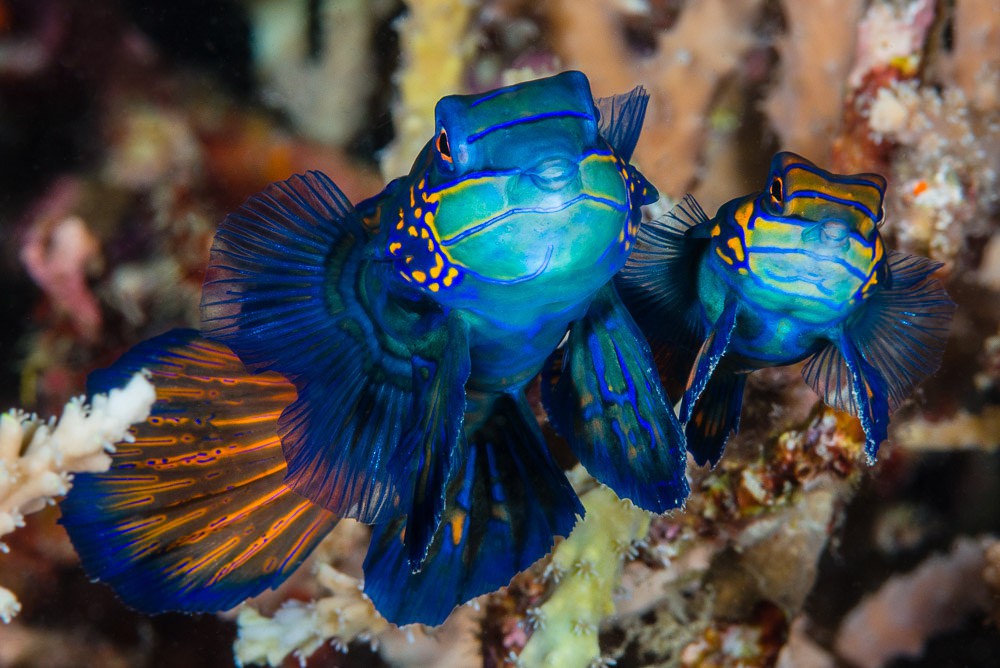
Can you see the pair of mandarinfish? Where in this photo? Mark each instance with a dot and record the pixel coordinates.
(370, 361)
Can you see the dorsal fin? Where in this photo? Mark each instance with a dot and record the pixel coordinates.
(621, 119)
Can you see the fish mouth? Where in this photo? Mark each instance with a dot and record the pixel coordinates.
(553, 174)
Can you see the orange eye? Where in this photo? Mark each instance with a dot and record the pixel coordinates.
(442, 146)
(776, 191)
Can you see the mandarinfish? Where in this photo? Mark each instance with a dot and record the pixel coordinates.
(797, 271)
(370, 362)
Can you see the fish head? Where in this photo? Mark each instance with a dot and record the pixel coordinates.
(518, 188)
(814, 234)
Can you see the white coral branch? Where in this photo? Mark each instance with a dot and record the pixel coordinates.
(299, 628)
(38, 458)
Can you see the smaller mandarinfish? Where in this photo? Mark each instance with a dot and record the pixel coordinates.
(370, 362)
(797, 271)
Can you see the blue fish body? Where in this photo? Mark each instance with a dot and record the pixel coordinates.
(406, 328)
(797, 271)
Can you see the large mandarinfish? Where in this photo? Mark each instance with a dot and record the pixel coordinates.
(370, 362)
(797, 271)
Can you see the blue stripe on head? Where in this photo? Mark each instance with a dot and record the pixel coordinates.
(815, 194)
(870, 180)
(533, 118)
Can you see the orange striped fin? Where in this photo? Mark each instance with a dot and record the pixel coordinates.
(194, 514)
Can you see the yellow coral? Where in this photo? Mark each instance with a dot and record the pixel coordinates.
(586, 568)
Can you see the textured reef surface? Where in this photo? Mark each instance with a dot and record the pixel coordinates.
(128, 129)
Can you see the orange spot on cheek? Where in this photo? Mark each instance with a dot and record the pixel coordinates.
(457, 528)
(919, 187)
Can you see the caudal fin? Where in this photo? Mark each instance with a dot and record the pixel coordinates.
(506, 502)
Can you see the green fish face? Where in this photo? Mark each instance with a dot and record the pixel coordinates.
(808, 243)
(517, 197)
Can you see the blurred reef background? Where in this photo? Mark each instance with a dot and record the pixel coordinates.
(128, 128)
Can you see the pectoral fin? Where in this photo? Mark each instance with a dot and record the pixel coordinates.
(194, 514)
(658, 286)
(605, 397)
(894, 342)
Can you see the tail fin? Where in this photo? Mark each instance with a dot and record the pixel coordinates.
(194, 514)
(506, 501)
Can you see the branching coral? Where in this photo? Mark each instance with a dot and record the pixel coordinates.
(585, 570)
(804, 105)
(299, 629)
(37, 458)
(693, 58)
(899, 618)
(436, 47)
(58, 255)
(325, 93)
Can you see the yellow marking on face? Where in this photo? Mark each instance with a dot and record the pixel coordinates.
(433, 287)
(438, 265)
(412, 231)
(394, 247)
(716, 231)
(871, 282)
(725, 258)
(457, 527)
(424, 234)
(419, 276)
(742, 215)
(430, 245)
(452, 273)
(737, 247)
(413, 201)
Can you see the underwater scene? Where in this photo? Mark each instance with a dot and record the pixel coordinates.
(569, 333)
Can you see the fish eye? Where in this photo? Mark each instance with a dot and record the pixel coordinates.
(442, 146)
(776, 191)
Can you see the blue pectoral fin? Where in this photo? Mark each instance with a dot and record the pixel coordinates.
(606, 399)
(712, 349)
(894, 342)
(506, 502)
(291, 288)
(658, 286)
(716, 414)
(193, 514)
(440, 370)
(621, 119)
(868, 388)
